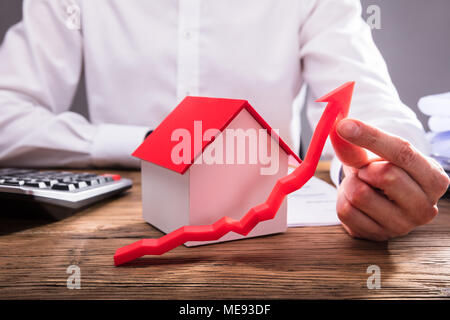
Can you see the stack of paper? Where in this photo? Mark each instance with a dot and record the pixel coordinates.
(313, 205)
(438, 108)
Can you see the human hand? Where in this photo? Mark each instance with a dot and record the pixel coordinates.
(386, 196)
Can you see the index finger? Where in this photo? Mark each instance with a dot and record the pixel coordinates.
(392, 148)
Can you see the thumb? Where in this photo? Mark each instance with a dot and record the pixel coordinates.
(349, 154)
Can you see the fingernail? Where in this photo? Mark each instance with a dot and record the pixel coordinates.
(348, 129)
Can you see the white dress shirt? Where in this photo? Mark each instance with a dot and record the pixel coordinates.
(142, 57)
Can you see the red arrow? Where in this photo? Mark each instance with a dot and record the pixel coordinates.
(336, 109)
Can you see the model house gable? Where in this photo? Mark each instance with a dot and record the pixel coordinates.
(196, 115)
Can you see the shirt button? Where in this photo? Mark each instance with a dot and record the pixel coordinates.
(187, 34)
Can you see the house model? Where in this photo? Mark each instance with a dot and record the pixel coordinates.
(193, 171)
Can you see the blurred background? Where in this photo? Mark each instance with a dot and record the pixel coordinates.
(414, 39)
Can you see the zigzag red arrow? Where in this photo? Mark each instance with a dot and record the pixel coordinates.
(337, 108)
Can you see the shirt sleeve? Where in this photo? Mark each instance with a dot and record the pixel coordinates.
(40, 66)
(336, 47)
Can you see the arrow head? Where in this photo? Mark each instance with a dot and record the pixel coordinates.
(342, 95)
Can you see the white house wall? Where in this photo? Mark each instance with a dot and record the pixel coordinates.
(165, 197)
(220, 190)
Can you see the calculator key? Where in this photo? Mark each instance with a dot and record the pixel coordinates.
(112, 177)
(89, 182)
(101, 180)
(79, 184)
(33, 184)
(14, 182)
(64, 187)
(89, 175)
(48, 182)
(86, 175)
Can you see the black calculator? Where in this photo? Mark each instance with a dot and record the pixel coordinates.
(54, 194)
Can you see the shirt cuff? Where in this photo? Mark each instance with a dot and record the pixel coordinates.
(113, 145)
(336, 171)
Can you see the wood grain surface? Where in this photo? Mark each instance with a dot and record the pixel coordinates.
(303, 263)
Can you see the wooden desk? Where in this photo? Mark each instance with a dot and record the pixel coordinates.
(311, 263)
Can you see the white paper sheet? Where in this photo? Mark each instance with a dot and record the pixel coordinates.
(313, 205)
(439, 123)
(435, 105)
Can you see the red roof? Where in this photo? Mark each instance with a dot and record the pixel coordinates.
(213, 112)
